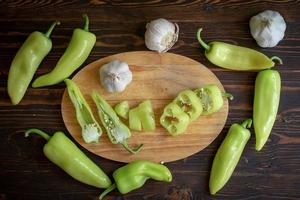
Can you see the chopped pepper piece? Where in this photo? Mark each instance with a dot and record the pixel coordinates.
(117, 132)
(188, 101)
(142, 117)
(122, 109)
(174, 119)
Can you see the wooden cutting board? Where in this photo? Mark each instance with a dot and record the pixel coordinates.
(159, 78)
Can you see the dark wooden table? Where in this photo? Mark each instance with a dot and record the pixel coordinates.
(273, 173)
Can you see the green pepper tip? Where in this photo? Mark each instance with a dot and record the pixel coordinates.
(247, 123)
(48, 33)
(108, 190)
(37, 131)
(202, 43)
(86, 24)
(277, 59)
(228, 95)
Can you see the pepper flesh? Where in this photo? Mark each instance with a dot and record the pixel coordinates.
(188, 101)
(80, 46)
(26, 62)
(91, 130)
(142, 117)
(117, 132)
(211, 98)
(122, 109)
(228, 155)
(265, 107)
(64, 153)
(135, 174)
(236, 57)
(174, 120)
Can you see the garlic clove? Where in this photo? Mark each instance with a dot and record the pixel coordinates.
(161, 35)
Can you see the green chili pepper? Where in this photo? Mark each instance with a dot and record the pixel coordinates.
(135, 174)
(174, 119)
(211, 98)
(80, 46)
(122, 109)
(142, 117)
(117, 132)
(266, 102)
(228, 155)
(235, 57)
(26, 62)
(90, 128)
(64, 153)
(188, 101)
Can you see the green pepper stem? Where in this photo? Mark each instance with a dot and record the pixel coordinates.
(228, 95)
(246, 123)
(133, 151)
(37, 131)
(48, 33)
(108, 190)
(277, 59)
(202, 43)
(87, 22)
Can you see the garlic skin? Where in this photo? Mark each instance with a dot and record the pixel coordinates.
(115, 76)
(161, 35)
(267, 28)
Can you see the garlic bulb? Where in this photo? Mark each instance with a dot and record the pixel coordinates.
(267, 28)
(115, 76)
(161, 35)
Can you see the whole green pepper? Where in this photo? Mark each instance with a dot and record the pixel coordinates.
(117, 132)
(90, 129)
(236, 57)
(174, 119)
(211, 98)
(142, 117)
(265, 107)
(26, 62)
(228, 155)
(135, 174)
(64, 153)
(80, 46)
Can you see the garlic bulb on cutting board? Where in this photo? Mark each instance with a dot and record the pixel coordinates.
(267, 28)
(161, 35)
(115, 76)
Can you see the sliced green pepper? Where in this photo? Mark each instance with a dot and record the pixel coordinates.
(142, 117)
(64, 153)
(122, 109)
(26, 62)
(91, 130)
(135, 174)
(228, 155)
(117, 132)
(174, 119)
(265, 107)
(188, 101)
(236, 57)
(80, 47)
(211, 98)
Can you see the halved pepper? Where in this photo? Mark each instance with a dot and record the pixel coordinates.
(122, 109)
(189, 103)
(211, 98)
(174, 119)
(117, 132)
(142, 117)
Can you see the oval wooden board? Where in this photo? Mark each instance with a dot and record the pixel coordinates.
(158, 77)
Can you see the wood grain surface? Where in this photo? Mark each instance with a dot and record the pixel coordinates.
(273, 173)
(159, 78)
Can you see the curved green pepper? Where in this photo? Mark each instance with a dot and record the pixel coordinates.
(235, 57)
(135, 174)
(122, 109)
(90, 128)
(26, 62)
(174, 119)
(117, 132)
(265, 107)
(64, 153)
(80, 46)
(211, 98)
(228, 155)
(142, 117)
(188, 101)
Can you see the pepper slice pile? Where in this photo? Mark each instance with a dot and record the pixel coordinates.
(142, 117)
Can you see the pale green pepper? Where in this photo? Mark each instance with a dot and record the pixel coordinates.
(122, 109)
